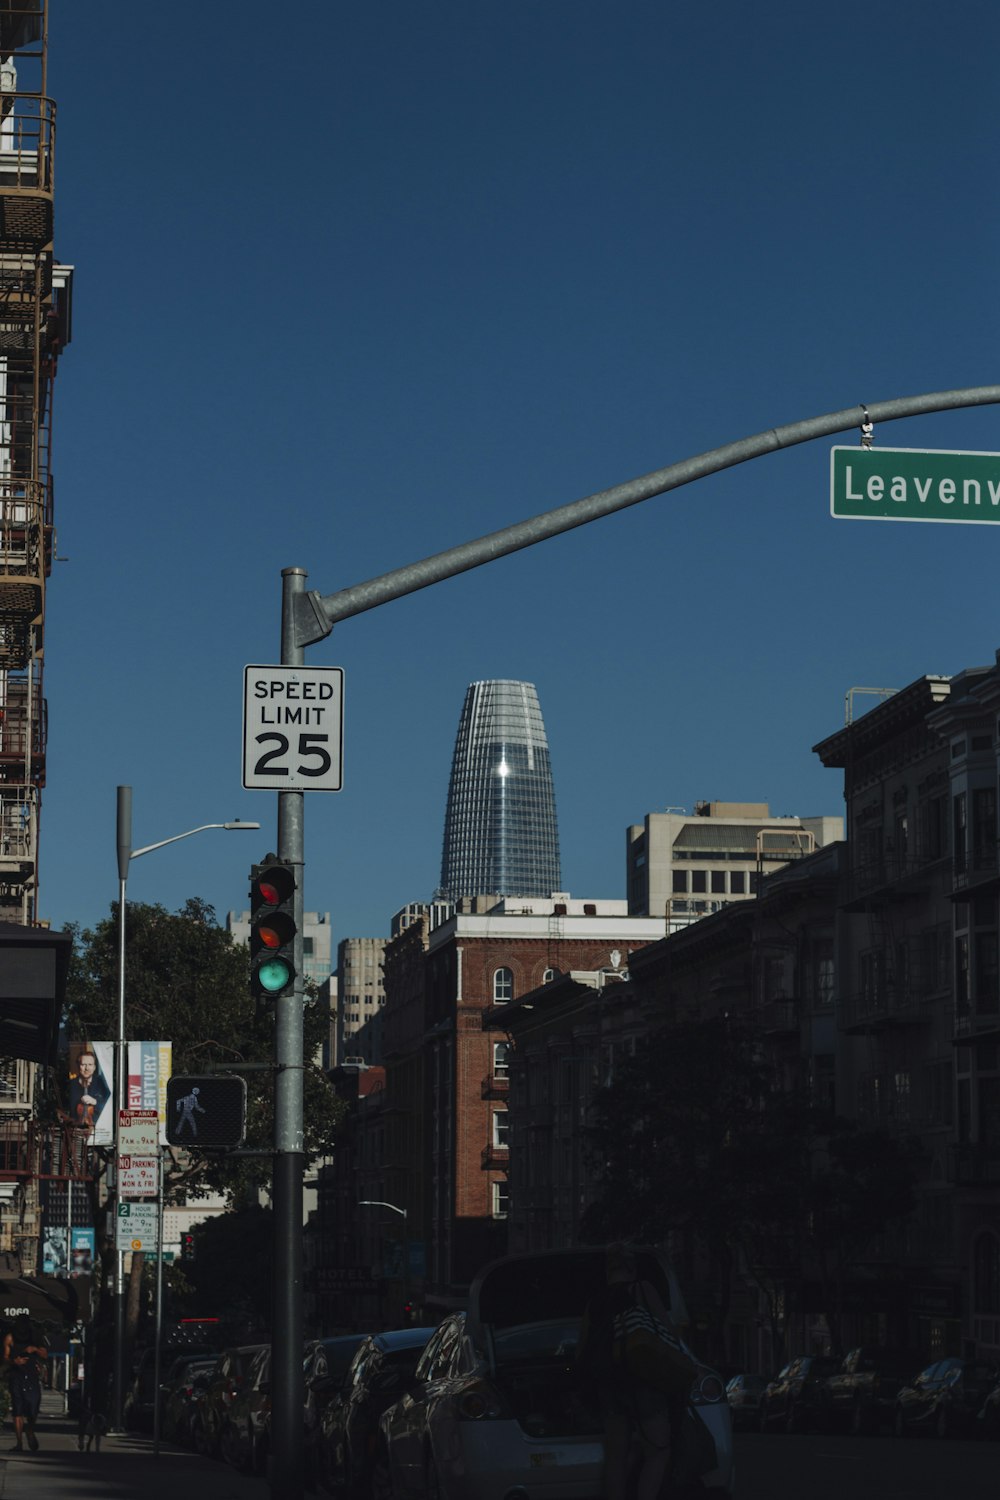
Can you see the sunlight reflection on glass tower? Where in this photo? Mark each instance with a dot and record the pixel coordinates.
(500, 831)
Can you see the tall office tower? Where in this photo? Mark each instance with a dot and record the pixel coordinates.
(500, 830)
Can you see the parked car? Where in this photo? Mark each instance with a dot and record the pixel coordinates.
(498, 1404)
(177, 1395)
(324, 1368)
(861, 1395)
(743, 1393)
(791, 1400)
(245, 1439)
(139, 1402)
(225, 1383)
(379, 1370)
(945, 1399)
(989, 1416)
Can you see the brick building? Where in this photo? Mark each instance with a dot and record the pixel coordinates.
(443, 1117)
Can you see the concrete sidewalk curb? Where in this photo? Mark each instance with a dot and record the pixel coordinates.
(125, 1469)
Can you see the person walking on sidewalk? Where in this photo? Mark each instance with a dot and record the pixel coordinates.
(24, 1359)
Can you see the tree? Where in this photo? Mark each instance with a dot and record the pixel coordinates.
(231, 1273)
(187, 982)
(687, 1137)
(695, 1137)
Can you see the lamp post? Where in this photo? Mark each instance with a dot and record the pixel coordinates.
(126, 854)
(381, 1203)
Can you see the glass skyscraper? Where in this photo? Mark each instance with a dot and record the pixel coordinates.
(500, 831)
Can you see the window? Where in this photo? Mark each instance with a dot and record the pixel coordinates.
(774, 977)
(503, 986)
(984, 827)
(932, 828)
(680, 882)
(987, 973)
(501, 1128)
(964, 1124)
(938, 1093)
(501, 1200)
(962, 974)
(935, 952)
(822, 972)
(902, 836)
(822, 1082)
(698, 881)
(871, 975)
(501, 1059)
(719, 882)
(988, 1090)
(738, 882)
(959, 822)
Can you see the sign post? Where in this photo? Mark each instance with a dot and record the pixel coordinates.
(914, 484)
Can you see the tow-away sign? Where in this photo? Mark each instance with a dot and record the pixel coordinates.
(293, 729)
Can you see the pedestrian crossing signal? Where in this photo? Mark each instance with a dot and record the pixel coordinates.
(206, 1112)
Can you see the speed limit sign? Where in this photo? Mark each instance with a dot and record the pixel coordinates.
(293, 729)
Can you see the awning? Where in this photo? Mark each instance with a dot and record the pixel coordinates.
(33, 966)
(49, 1300)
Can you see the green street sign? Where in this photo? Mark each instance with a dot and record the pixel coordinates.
(914, 484)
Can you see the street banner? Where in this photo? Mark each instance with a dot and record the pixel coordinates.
(82, 1250)
(55, 1250)
(91, 1085)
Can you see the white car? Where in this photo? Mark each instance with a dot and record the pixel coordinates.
(499, 1409)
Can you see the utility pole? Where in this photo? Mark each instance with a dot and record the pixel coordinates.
(287, 1391)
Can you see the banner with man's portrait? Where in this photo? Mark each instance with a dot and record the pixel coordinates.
(91, 1085)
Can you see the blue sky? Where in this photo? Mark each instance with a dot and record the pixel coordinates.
(358, 282)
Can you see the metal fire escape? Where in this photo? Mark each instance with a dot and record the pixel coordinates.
(35, 316)
(35, 304)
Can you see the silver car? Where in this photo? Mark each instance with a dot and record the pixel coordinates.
(499, 1406)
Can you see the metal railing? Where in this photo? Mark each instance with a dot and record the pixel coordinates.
(887, 1005)
(27, 144)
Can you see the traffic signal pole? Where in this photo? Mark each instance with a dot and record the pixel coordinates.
(316, 616)
(309, 617)
(287, 1387)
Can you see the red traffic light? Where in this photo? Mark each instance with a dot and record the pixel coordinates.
(276, 930)
(271, 884)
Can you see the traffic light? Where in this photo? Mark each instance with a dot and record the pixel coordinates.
(206, 1111)
(187, 1247)
(272, 929)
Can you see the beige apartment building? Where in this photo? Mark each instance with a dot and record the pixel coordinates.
(683, 866)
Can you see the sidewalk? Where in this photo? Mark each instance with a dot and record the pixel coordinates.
(125, 1468)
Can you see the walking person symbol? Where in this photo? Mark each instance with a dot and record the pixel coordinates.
(188, 1104)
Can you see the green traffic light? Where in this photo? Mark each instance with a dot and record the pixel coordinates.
(274, 975)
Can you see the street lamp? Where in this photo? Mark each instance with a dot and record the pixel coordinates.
(125, 854)
(381, 1203)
